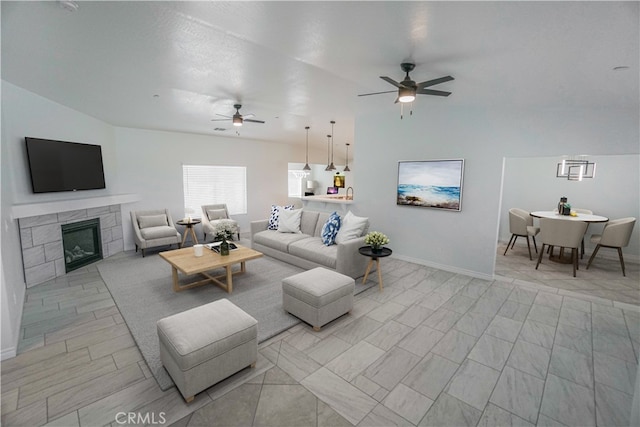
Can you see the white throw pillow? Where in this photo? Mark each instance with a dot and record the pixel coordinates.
(352, 227)
(146, 221)
(214, 214)
(289, 221)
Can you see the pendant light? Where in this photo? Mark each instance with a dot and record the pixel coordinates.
(328, 153)
(331, 166)
(306, 165)
(346, 168)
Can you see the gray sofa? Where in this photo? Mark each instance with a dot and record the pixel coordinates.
(306, 249)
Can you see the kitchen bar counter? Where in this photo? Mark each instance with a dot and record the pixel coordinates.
(329, 198)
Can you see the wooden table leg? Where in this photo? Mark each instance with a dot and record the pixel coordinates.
(379, 274)
(229, 279)
(193, 234)
(174, 275)
(366, 273)
(184, 238)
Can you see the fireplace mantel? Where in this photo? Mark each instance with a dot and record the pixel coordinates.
(44, 208)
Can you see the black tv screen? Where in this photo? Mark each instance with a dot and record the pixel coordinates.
(64, 166)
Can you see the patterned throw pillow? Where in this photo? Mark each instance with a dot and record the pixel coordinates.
(330, 229)
(275, 215)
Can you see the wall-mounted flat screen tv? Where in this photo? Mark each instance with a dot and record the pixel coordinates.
(64, 166)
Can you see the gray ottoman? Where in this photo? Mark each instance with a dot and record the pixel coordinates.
(204, 345)
(318, 296)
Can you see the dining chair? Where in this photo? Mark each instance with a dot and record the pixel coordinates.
(578, 211)
(564, 234)
(586, 212)
(521, 225)
(616, 234)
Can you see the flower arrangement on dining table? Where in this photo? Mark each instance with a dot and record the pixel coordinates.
(376, 240)
(224, 230)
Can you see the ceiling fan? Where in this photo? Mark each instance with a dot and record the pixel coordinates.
(408, 89)
(237, 118)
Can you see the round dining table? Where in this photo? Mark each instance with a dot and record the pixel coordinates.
(579, 217)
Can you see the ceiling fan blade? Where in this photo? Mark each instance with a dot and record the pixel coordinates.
(390, 80)
(252, 120)
(220, 120)
(433, 92)
(434, 82)
(246, 116)
(378, 93)
(222, 115)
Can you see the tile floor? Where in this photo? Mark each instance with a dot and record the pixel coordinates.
(435, 348)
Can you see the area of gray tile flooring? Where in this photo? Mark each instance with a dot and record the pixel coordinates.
(433, 348)
(603, 279)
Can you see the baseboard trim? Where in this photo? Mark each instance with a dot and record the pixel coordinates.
(9, 353)
(444, 267)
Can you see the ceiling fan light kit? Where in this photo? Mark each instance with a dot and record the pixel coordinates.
(406, 94)
(237, 119)
(408, 89)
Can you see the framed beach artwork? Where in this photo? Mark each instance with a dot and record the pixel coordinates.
(431, 184)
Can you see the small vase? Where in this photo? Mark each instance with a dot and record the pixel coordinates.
(224, 247)
(376, 249)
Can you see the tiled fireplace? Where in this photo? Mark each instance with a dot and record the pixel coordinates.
(82, 243)
(43, 254)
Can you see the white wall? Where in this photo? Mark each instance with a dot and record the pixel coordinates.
(530, 183)
(27, 114)
(466, 241)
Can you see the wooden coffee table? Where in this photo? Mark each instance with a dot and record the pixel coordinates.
(185, 261)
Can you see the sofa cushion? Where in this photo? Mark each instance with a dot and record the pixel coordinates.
(330, 229)
(145, 221)
(289, 221)
(214, 214)
(322, 219)
(312, 249)
(308, 222)
(352, 227)
(152, 233)
(275, 215)
(279, 241)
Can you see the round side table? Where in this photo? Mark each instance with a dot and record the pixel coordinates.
(189, 230)
(375, 256)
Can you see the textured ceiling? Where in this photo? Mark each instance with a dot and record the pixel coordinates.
(294, 64)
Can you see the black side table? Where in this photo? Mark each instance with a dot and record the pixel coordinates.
(375, 256)
(188, 230)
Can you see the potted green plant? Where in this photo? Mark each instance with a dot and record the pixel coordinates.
(223, 231)
(376, 240)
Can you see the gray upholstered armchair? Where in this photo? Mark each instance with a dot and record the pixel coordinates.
(153, 228)
(211, 217)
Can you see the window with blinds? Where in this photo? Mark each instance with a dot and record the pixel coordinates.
(208, 185)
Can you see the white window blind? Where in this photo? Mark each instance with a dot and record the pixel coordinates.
(208, 185)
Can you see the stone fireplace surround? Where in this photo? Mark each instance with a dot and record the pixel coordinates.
(41, 232)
